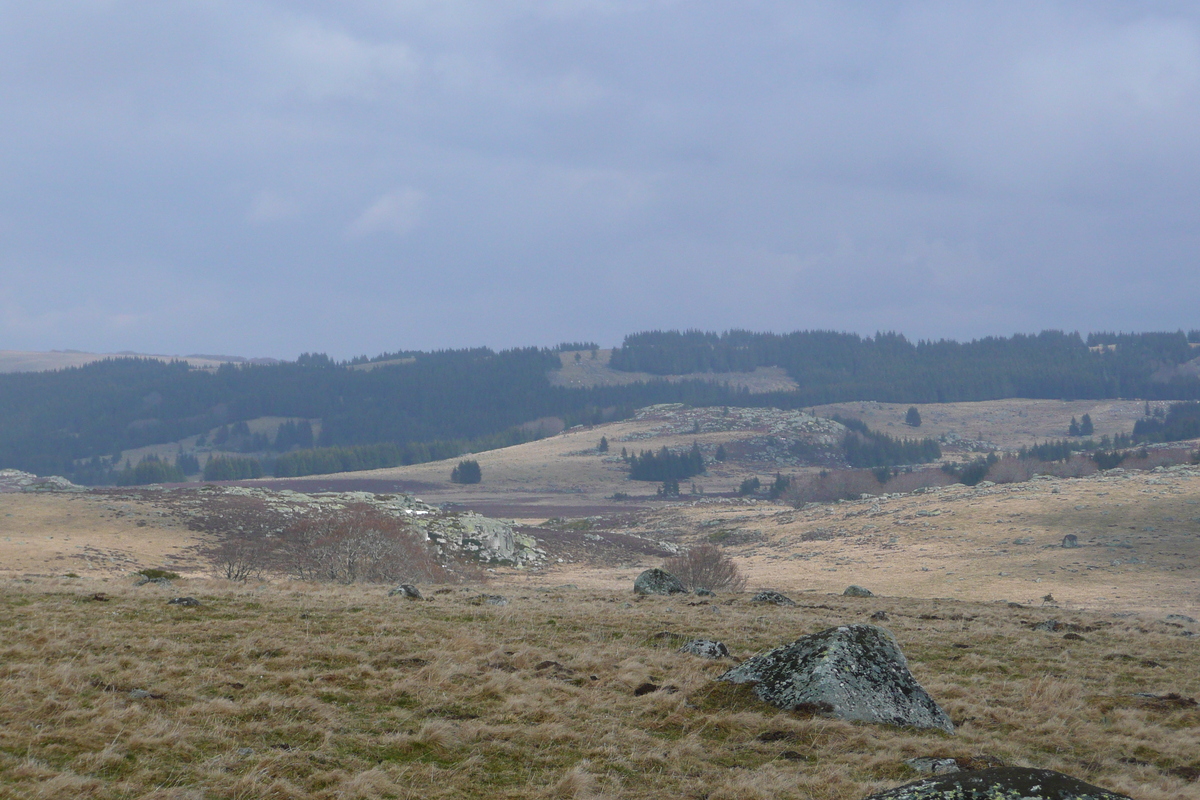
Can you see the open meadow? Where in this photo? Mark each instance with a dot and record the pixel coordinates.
(289, 690)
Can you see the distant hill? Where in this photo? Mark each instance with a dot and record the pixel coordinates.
(407, 407)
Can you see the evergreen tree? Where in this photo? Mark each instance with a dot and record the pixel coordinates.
(467, 472)
(603, 446)
(721, 454)
(913, 417)
(1085, 426)
(1073, 429)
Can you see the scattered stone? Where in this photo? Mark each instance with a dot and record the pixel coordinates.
(1164, 702)
(406, 590)
(189, 602)
(853, 672)
(702, 592)
(880, 616)
(658, 581)
(1074, 637)
(1070, 540)
(154, 581)
(100, 597)
(773, 597)
(142, 694)
(857, 591)
(489, 600)
(931, 765)
(1048, 625)
(245, 751)
(1180, 618)
(1000, 783)
(706, 648)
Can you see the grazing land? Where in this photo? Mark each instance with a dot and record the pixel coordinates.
(305, 691)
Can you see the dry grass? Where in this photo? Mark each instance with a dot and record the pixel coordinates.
(300, 691)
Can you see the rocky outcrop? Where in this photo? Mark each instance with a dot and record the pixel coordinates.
(406, 590)
(658, 581)
(14, 480)
(857, 591)
(1001, 783)
(852, 672)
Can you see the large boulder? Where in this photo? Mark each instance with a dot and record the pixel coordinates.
(658, 581)
(1000, 783)
(852, 672)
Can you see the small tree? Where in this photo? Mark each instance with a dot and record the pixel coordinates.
(1086, 428)
(749, 486)
(603, 446)
(466, 472)
(706, 567)
(721, 454)
(1073, 428)
(913, 417)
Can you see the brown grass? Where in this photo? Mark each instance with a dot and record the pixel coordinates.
(304, 691)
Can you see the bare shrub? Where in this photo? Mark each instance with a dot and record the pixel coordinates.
(1149, 459)
(242, 555)
(1014, 470)
(356, 544)
(827, 487)
(705, 566)
(1077, 466)
(918, 479)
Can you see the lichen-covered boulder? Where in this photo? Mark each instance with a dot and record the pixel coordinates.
(857, 591)
(406, 590)
(852, 672)
(1000, 783)
(658, 581)
(706, 648)
(773, 597)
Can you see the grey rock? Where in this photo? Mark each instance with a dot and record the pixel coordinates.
(245, 751)
(658, 581)
(933, 766)
(1070, 540)
(880, 615)
(852, 672)
(489, 600)
(153, 581)
(1048, 625)
(857, 591)
(406, 590)
(1179, 618)
(706, 648)
(773, 597)
(190, 602)
(702, 592)
(1000, 783)
(142, 694)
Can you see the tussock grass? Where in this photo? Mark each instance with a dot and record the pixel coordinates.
(298, 691)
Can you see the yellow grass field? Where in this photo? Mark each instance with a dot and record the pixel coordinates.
(305, 691)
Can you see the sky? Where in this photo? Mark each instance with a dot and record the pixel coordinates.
(260, 178)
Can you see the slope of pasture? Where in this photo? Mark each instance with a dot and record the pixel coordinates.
(1139, 537)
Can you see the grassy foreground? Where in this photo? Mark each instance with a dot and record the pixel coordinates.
(302, 691)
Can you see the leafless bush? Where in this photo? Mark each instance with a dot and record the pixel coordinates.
(1077, 466)
(1011, 469)
(827, 487)
(907, 482)
(242, 555)
(705, 566)
(358, 544)
(1157, 458)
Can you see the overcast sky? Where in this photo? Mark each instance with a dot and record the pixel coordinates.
(265, 178)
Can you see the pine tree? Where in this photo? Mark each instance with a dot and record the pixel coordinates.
(1085, 426)
(913, 417)
(603, 446)
(1073, 430)
(721, 454)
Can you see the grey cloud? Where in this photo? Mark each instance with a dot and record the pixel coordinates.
(515, 172)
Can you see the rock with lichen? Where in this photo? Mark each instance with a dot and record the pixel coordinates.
(1000, 783)
(852, 672)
